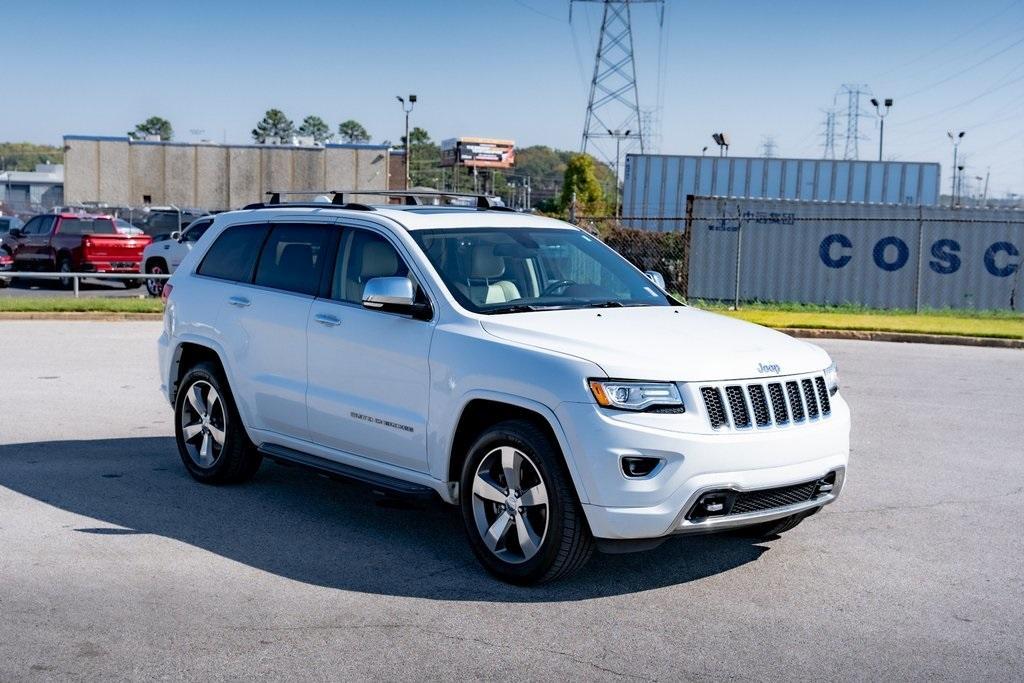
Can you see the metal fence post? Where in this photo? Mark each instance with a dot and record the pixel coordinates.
(739, 258)
(75, 279)
(920, 259)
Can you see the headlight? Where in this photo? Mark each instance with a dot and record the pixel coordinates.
(635, 395)
(832, 379)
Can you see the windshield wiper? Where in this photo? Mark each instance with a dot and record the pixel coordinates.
(606, 304)
(523, 308)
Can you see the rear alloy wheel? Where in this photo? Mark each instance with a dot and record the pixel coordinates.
(212, 442)
(520, 509)
(155, 286)
(65, 267)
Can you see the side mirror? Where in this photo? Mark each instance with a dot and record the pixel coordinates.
(176, 235)
(15, 232)
(656, 277)
(394, 294)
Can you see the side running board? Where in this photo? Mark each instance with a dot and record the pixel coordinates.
(378, 482)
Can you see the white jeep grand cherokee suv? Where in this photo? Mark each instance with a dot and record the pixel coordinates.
(512, 365)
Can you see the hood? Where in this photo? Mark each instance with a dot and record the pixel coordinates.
(676, 343)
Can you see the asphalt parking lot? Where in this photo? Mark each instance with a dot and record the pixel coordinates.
(115, 565)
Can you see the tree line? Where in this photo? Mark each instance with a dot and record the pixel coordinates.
(274, 125)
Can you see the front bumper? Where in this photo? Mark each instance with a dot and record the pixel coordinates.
(619, 507)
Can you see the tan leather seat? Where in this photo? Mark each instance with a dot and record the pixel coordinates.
(488, 267)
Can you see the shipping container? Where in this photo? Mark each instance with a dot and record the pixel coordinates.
(656, 185)
(875, 255)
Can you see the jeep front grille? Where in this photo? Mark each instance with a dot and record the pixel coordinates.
(767, 404)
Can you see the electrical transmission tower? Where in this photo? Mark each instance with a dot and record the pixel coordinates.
(829, 135)
(613, 110)
(768, 147)
(853, 91)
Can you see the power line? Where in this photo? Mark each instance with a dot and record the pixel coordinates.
(964, 70)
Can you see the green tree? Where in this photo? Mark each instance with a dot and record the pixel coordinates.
(154, 125)
(581, 179)
(274, 125)
(316, 128)
(353, 132)
(23, 156)
(418, 136)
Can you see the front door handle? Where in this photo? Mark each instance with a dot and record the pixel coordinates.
(239, 301)
(327, 320)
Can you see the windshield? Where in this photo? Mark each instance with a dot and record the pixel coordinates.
(502, 270)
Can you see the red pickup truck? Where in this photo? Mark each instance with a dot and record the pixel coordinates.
(75, 243)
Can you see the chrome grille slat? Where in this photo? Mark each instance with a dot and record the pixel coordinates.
(737, 406)
(809, 398)
(796, 404)
(759, 405)
(826, 404)
(778, 403)
(764, 405)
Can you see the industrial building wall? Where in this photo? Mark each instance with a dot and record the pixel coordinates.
(120, 172)
(877, 256)
(656, 185)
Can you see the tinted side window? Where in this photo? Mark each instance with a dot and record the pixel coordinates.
(46, 225)
(32, 227)
(293, 258)
(233, 255)
(362, 256)
(195, 232)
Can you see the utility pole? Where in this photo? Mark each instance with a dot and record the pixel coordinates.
(955, 138)
(882, 111)
(407, 108)
(853, 91)
(768, 147)
(829, 145)
(614, 102)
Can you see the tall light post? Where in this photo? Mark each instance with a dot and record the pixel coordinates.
(722, 140)
(619, 137)
(955, 138)
(882, 110)
(407, 108)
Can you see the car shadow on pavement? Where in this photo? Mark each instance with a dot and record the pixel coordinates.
(298, 525)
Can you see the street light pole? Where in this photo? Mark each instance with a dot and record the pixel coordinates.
(882, 110)
(407, 108)
(956, 138)
(618, 135)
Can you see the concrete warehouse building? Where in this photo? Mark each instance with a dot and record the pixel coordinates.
(119, 171)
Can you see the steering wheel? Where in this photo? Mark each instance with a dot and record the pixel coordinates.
(555, 286)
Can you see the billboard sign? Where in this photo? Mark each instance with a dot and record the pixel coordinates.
(478, 152)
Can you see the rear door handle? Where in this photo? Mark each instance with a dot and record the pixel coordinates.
(327, 320)
(239, 301)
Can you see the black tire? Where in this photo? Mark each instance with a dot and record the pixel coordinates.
(155, 266)
(774, 528)
(132, 284)
(64, 266)
(5, 282)
(567, 543)
(237, 458)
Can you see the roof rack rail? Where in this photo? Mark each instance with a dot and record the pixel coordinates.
(409, 197)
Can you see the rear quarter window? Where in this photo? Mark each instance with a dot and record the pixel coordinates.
(233, 255)
(82, 226)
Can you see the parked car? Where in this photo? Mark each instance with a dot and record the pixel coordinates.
(163, 257)
(509, 364)
(161, 221)
(69, 243)
(9, 222)
(126, 228)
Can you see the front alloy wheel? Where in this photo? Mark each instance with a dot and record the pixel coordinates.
(510, 505)
(154, 286)
(522, 516)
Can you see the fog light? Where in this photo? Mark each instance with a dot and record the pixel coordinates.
(639, 467)
(711, 505)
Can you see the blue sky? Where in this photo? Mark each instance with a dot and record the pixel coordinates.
(518, 69)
